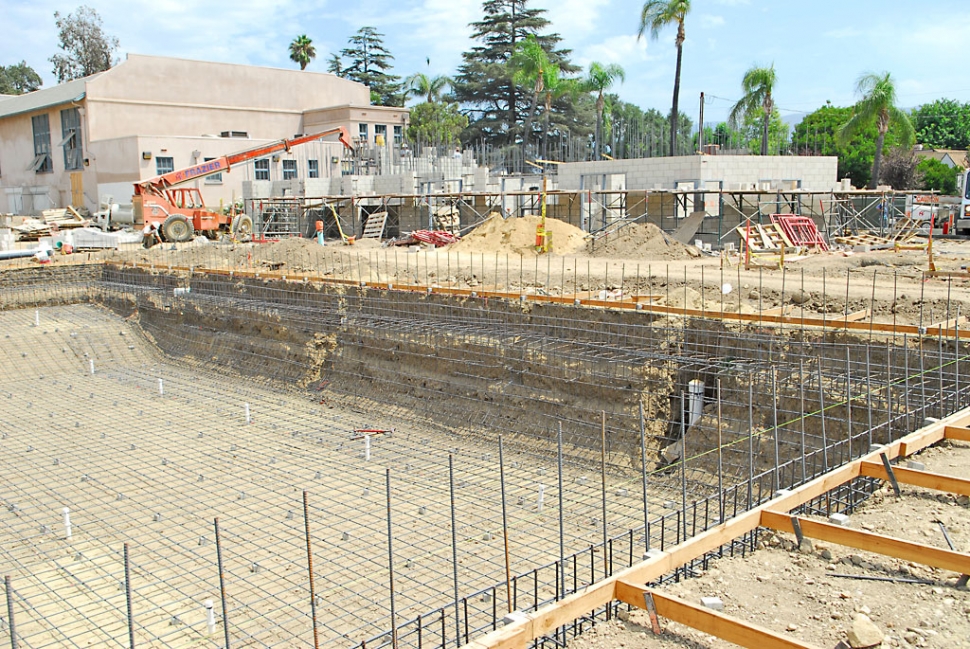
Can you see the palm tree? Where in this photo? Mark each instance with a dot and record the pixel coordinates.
(655, 15)
(758, 84)
(599, 79)
(302, 51)
(554, 87)
(430, 87)
(529, 62)
(878, 105)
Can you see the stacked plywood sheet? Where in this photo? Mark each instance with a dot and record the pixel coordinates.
(51, 221)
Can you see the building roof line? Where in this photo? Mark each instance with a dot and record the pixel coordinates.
(65, 93)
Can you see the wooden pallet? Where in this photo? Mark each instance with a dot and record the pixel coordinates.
(767, 237)
(374, 226)
(448, 219)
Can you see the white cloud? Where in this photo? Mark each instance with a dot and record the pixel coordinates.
(710, 20)
(622, 49)
(575, 19)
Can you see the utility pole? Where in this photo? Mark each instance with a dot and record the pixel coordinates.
(700, 128)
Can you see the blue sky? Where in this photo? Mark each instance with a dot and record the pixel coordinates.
(819, 48)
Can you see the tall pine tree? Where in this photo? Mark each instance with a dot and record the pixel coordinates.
(484, 85)
(368, 63)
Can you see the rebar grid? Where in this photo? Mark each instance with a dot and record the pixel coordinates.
(811, 378)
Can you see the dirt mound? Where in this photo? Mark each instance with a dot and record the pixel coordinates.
(639, 241)
(518, 236)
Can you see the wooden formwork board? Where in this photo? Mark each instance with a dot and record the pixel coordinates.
(629, 585)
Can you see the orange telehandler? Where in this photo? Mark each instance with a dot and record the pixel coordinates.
(180, 212)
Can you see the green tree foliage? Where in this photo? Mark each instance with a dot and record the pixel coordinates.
(943, 124)
(937, 175)
(335, 65)
(599, 79)
(816, 135)
(758, 85)
(369, 63)
(529, 63)
(436, 123)
(484, 84)
(751, 134)
(654, 16)
(18, 79)
(554, 88)
(86, 48)
(429, 87)
(877, 107)
(302, 51)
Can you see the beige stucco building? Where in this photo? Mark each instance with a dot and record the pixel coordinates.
(82, 141)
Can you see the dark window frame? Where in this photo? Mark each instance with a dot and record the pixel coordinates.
(43, 162)
(71, 139)
(261, 168)
(169, 166)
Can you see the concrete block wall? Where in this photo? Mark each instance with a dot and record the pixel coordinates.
(814, 172)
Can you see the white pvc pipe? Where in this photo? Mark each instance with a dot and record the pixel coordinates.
(542, 496)
(248, 419)
(36, 317)
(67, 523)
(210, 617)
(696, 396)
(92, 365)
(161, 389)
(367, 448)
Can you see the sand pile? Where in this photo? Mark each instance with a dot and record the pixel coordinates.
(518, 236)
(640, 241)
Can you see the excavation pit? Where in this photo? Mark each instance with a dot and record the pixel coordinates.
(231, 399)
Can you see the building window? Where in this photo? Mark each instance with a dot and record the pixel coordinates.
(380, 134)
(398, 135)
(71, 139)
(312, 168)
(262, 169)
(214, 179)
(242, 134)
(362, 132)
(42, 162)
(289, 170)
(164, 164)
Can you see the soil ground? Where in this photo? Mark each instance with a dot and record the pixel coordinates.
(799, 594)
(636, 261)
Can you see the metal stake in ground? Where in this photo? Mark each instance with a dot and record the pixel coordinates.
(505, 523)
(10, 622)
(454, 546)
(222, 582)
(606, 558)
(390, 559)
(562, 530)
(683, 465)
(131, 621)
(720, 459)
(309, 567)
(643, 471)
